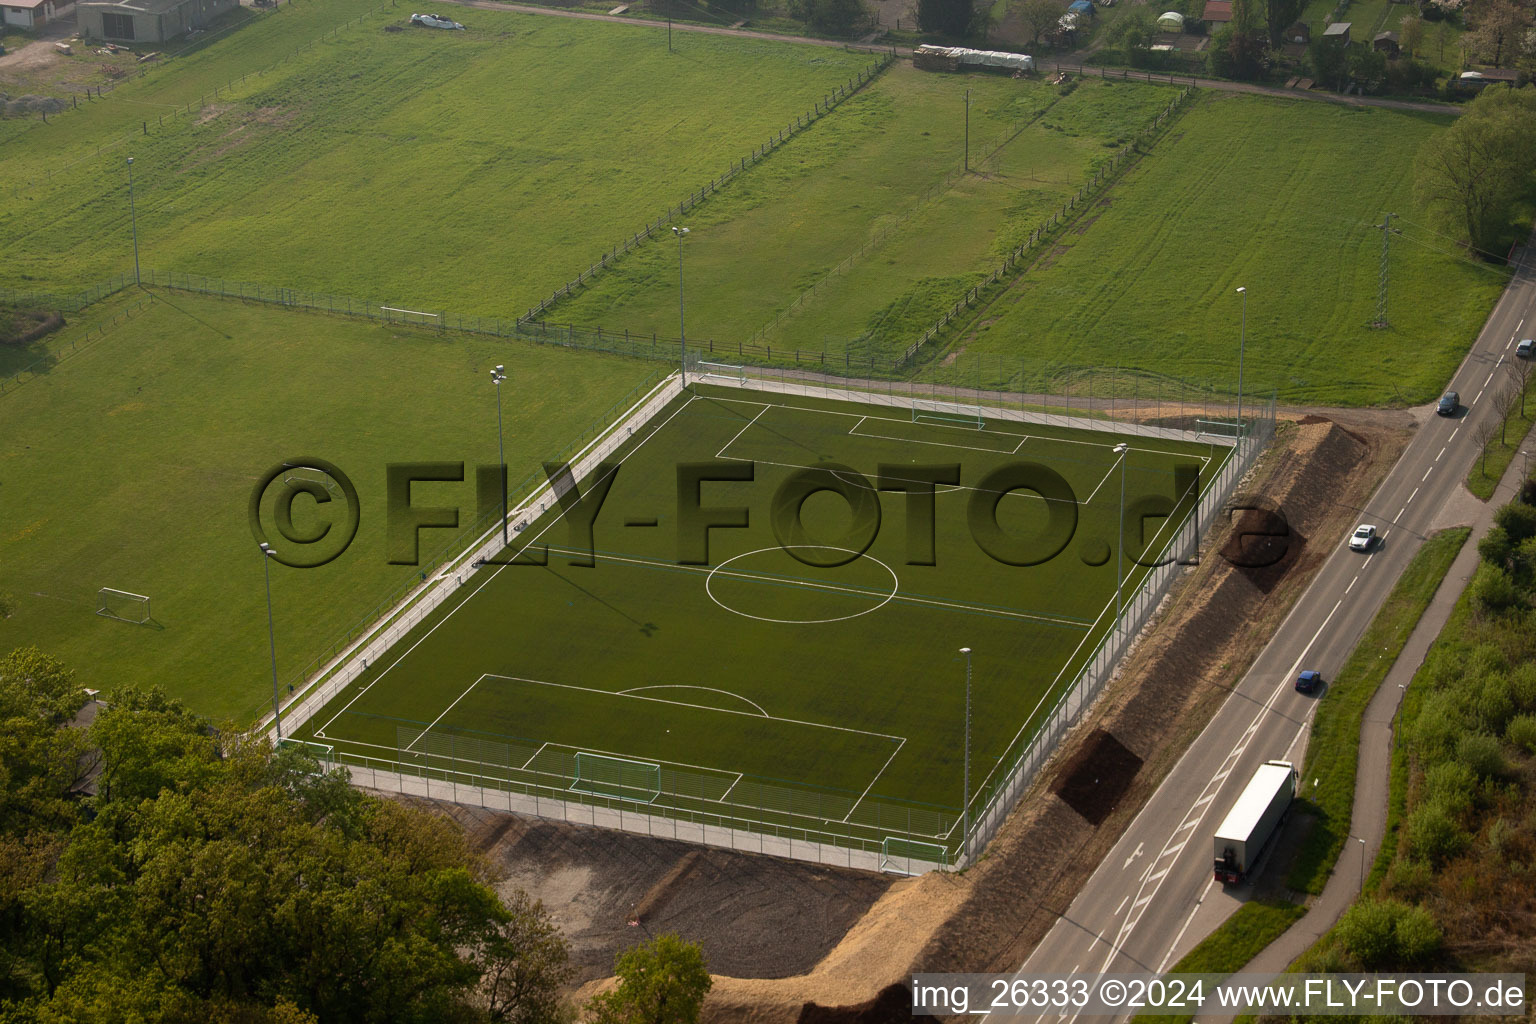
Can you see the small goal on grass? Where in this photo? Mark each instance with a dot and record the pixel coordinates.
(620, 777)
(911, 856)
(123, 606)
(954, 414)
(720, 371)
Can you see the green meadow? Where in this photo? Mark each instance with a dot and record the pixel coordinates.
(1283, 198)
(472, 171)
(129, 463)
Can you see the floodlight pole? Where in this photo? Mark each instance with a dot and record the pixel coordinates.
(967, 131)
(497, 376)
(965, 807)
(682, 333)
(267, 554)
(1242, 340)
(133, 219)
(1122, 449)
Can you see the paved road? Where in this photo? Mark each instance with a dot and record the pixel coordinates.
(1139, 909)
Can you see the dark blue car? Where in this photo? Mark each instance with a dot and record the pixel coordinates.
(1308, 681)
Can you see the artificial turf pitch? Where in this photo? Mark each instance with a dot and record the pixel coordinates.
(827, 699)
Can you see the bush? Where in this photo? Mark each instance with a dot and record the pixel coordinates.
(1518, 521)
(1521, 732)
(1387, 933)
(1438, 725)
(1482, 754)
(1433, 835)
(1450, 784)
(1492, 589)
(1496, 548)
(1495, 704)
(1522, 686)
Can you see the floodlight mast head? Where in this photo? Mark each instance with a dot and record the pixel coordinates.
(1122, 448)
(679, 232)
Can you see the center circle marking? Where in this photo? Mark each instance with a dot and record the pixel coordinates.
(709, 585)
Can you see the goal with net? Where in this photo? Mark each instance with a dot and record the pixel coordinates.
(911, 856)
(323, 753)
(621, 777)
(955, 414)
(123, 606)
(720, 371)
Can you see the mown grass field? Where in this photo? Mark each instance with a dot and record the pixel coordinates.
(881, 182)
(1282, 198)
(129, 465)
(473, 171)
(789, 668)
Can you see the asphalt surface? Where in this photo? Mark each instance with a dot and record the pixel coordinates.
(1139, 910)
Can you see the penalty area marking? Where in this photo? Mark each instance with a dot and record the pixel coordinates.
(710, 689)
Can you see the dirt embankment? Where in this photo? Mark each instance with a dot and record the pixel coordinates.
(1212, 626)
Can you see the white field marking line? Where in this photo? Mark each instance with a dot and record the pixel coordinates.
(486, 582)
(1016, 447)
(533, 757)
(711, 689)
(773, 580)
(940, 444)
(685, 704)
(1187, 922)
(854, 429)
(1049, 690)
(875, 780)
(447, 709)
(721, 453)
(1233, 756)
(727, 794)
(1112, 467)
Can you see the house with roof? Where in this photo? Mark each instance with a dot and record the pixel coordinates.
(1385, 42)
(1300, 32)
(1217, 15)
(31, 14)
(146, 21)
(1338, 32)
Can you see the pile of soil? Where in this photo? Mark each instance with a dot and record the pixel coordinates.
(24, 106)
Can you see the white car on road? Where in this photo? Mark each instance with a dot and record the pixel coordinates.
(1363, 537)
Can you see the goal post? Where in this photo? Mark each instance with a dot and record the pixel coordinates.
(123, 606)
(621, 777)
(912, 856)
(955, 414)
(705, 370)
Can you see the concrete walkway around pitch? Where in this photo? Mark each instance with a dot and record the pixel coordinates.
(1368, 818)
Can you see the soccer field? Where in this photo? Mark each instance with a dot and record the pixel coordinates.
(798, 668)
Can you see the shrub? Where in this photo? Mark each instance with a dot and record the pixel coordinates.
(1496, 547)
(1438, 725)
(1387, 933)
(1495, 704)
(1450, 784)
(1492, 589)
(1518, 521)
(1521, 731)
(1433, 835)
(1481, 753)
(1522, 686)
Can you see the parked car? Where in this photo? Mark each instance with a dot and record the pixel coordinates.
(1449, 403)
(434, 21)
(1363, 537)
(1308, 681)
(1526, 349)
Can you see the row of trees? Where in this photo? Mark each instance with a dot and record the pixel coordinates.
(210, 880)
(1477, 175)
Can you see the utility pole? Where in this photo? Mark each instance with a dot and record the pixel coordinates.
(967, 131)
(965, 835)
(1381, 288)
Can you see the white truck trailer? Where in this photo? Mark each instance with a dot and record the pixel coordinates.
(1254, 820)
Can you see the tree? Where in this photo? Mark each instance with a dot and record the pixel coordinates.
(1498, 31)
(1519, 372)
(1474, 173)
(1330, 62)
(1368, 67)
(1504, 402)
(1039, 16)
(1279, 15)
(524, 962)
(954, 18)
(663, 981)
(1444, 33)
(1410, 33)
(835, 17)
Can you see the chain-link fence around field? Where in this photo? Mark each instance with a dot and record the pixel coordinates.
(824, 825)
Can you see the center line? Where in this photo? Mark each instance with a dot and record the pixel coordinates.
(1428, 471)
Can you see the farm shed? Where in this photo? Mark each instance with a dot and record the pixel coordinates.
(31, 14)
(1385, 42)
(1338, 32)
(1217, 14)
(1488, 76)
(146, 21)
